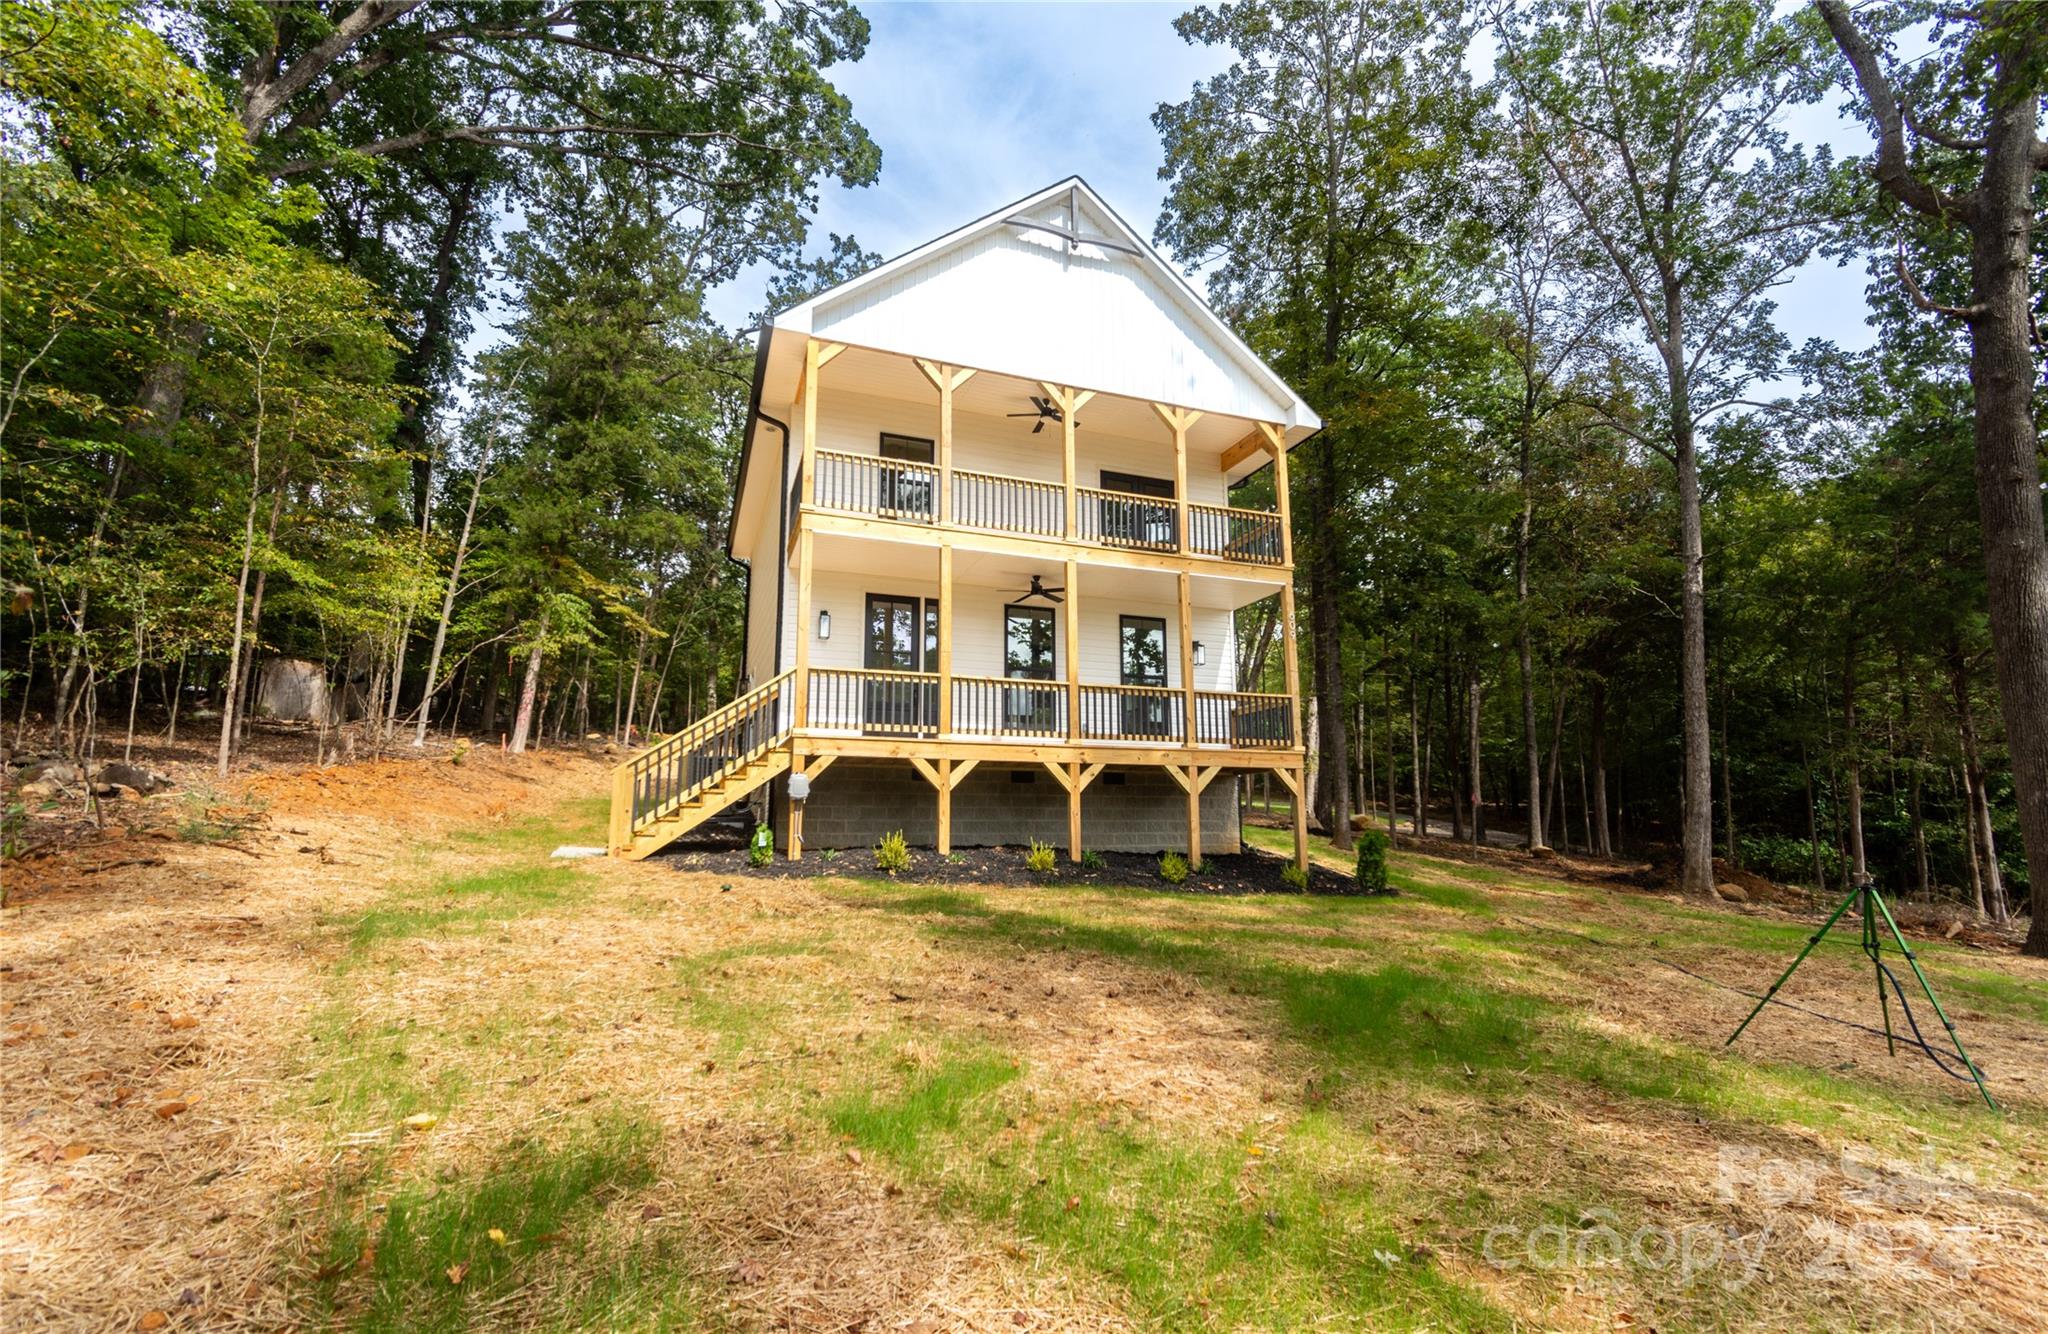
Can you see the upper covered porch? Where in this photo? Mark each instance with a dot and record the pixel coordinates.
(909, 442)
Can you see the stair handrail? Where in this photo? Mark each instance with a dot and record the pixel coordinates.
(748, 727)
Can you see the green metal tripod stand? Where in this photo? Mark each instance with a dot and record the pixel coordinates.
(1869, 902)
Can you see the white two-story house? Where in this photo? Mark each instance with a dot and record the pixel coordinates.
(994, 561)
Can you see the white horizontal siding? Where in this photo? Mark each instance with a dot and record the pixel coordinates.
(978, 629)
(853, 424)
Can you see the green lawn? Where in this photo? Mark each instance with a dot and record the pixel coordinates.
(1117, 1106)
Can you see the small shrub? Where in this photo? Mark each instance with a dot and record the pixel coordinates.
(1091, 860)
(892, 854)
(1372, 862)
(1040, 859)
(956, 858)
(828, 854)
(1294, 878)
(1173, 868)
(760, 851)
(461, 751)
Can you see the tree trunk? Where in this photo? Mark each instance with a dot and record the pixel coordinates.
(1453, 728)
(1603, 838)
(522, 725)
(1852, 750)
(1418, 776)
(1820, 879)
(1554, 802)
(1981, 837)
(1478, 799)
(1532, 749)
(1696, 814)
(1970, 842)
(1335, 743)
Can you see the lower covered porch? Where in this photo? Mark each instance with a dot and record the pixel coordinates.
(854, 791)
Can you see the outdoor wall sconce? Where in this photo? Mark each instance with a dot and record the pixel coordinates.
(824, 625)
(1201, 655)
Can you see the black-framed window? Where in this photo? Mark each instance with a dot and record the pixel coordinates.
(1141, 661)
(1137, 484)
(907, 490)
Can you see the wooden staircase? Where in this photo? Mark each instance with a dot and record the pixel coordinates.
(678, 783)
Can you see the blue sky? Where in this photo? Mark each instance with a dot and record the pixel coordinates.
(974, 105)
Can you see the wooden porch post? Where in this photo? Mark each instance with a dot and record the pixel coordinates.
(1064, 399)
(803, 629)
(1178, 420)
(796, 813)
(1074, 811)
(1187, 664)
(1276, 440)
(1194, 787)
(945, 640)
(945, 786)
(1073, 652)
(945, 379)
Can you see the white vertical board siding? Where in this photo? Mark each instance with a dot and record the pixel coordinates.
(1015, 302)
(853, 424)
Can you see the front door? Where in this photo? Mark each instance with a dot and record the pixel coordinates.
(900, 634)
(1130, 522)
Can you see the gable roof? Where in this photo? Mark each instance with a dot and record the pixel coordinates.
(959, 286)
(1189, 337)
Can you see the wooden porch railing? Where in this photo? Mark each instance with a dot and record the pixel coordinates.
(1133, 713)
(673, 770)
(1008, 706)
(1120, 519)
(993, 502)
(1008, 504)
(874, 703)
(868, 484)
(1244, 721)
(906, 704)
(1246, 535)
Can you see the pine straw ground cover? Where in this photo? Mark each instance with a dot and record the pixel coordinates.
(382, 1064)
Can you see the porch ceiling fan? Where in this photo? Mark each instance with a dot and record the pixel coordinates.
(1045, 410)
(1039, 590)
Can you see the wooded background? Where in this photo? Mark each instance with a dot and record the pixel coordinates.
(1586, 549)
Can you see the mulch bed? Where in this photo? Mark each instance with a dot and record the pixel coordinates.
(1231, 873)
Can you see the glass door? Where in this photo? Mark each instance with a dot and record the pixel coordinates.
(1028, 656)
(1142, 651)
(895, 642)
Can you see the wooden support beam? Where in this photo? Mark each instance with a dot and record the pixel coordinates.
(1073, 576)
(1289, 781)
(1061, 773)
(1289, 662)
(1178, 420)
(1194, 787)
(945, 786)
(1250, 447)
(1282, 501)
(924, 766)
(1208, 776)
(945, 379)
(945, 640)
(961, 768)
(1178, 774)
(819, 764)
(621, 828)
(1072, 782)
(1061, 396)
(814, 361)
(1187, 661)
(796, 814)
(802, 682)
(827, 351)
(1089, 773)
